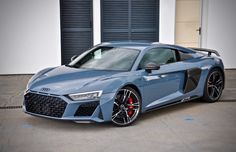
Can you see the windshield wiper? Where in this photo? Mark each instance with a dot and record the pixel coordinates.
(71, 66)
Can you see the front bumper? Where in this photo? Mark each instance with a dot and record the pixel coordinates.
(63, 108)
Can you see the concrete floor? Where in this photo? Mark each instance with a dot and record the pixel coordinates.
(189, 127)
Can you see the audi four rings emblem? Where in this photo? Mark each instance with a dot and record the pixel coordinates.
(45, 89)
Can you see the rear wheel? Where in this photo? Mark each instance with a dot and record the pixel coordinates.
(126, 107)
(214, 86)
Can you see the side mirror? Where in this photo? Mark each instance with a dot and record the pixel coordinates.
(151, 66)
(73, 57)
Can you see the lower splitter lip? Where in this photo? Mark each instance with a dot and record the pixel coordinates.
(69, 118)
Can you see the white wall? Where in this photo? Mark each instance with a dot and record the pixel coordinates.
(96, 22)
(29, 35)
(219, 29)
(167, 21)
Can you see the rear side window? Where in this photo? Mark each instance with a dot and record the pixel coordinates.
(159, 56)
(184, 56)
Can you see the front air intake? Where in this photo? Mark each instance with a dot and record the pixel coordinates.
(86, 109)
(44, 105)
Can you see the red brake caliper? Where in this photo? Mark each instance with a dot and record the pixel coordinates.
(131, 111)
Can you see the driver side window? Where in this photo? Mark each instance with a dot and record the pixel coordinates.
(158, 56)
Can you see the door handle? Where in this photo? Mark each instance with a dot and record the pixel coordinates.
(199, 30)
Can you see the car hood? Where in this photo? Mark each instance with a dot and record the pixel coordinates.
(65, 80)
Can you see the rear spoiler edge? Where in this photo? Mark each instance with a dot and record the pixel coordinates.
(210, 51)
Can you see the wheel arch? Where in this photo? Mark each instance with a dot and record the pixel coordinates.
(221, 70)
(133, 87)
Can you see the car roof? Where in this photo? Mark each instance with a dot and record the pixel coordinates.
(140, 45)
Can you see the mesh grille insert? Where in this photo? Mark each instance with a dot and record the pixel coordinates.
(44, 105)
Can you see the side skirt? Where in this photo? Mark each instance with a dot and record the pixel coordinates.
(173, 103)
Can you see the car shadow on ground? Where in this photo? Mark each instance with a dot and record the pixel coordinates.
(170, 109)
(44, 123)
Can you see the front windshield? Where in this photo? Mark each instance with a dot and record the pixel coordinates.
(107, 58)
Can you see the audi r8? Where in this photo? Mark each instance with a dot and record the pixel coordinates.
(118, 81)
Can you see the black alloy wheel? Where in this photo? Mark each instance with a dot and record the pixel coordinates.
(214, 86)
(127, 106)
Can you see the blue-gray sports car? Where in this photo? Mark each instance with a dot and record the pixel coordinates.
(118, 81)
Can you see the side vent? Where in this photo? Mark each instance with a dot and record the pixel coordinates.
(191, 79)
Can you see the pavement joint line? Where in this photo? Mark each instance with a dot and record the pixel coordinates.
(10, 107)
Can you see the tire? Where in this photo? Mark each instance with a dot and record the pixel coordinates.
(213, 86)
(127, 107)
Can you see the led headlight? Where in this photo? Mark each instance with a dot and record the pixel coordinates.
(94, 95)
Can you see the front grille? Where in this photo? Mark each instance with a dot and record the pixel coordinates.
(86, 109)
(44, 105)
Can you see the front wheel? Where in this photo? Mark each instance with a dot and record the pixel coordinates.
(126, 107)
(214, 86)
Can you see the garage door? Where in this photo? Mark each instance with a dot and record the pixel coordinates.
(76, 27)
(130, 20)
